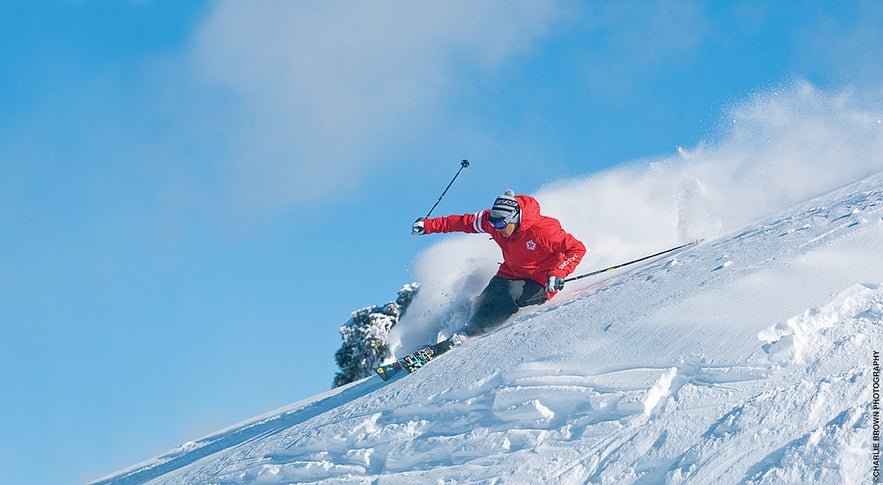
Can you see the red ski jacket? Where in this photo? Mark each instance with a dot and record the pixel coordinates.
(539, 248)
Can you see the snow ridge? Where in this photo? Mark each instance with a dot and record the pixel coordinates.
(746, 359)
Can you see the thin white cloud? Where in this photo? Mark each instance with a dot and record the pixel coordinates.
(329, 85)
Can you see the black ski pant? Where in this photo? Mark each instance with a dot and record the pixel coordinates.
(500, 299)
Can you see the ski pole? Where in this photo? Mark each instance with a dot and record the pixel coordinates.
(593, 273)
(463, 164)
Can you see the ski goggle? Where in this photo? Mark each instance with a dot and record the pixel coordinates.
(499, 223)
(502, 223)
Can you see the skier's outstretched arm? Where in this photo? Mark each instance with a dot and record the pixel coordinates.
(470, 223)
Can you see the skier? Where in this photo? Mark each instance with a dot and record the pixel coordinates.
(537, 255)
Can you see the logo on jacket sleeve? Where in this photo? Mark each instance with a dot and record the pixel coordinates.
(530, 245)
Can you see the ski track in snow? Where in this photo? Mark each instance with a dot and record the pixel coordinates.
(743, 360)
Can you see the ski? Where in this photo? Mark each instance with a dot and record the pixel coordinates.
(418, 359)
(386, 372)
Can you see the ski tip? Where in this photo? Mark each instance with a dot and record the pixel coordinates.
(383, 373)
(387, 372)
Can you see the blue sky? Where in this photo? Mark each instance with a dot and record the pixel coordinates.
(194, 196)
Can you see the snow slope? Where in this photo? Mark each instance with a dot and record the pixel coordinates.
(746, 359)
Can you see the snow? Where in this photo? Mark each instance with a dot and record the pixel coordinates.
(746, 359)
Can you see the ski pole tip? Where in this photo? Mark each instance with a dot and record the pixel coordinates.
(464, 163)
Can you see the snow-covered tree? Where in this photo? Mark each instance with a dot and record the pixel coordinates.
(365, 337)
